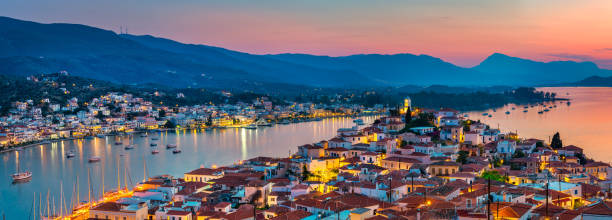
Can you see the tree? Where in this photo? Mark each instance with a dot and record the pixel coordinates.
(305, 173)
(462, 158)
(408, 116)
(556, 142)
(209, 121)
(100, 116)
(169, 124)
(518, 154)
(492, 175)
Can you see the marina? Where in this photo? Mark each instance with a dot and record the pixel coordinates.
(50, 166)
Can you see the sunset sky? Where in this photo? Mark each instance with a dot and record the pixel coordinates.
(463, 32)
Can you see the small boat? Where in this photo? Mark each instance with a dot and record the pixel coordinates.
(546, 110)
(118, 143)
(153, 144)
(466, 115)
(284, 122)
(21, 176)
(144, 135)
(490, 116)
(94, 159)
(524, 110)
(154, 138)
(129, 147)
(251, 126)
(507, 112)
(262, 122)
(170, 146)
(100, 136)
(513, 108)
(540, 112)
(155, 151)
(358, 121)
(176, 151)
(485, 114)
(70, 154)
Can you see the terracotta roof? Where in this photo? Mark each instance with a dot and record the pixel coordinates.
(297, 214)
(204, 171)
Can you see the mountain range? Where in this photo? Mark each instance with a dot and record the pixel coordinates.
(28, 48)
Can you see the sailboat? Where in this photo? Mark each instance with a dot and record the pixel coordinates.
(21, 176)
(70, 154)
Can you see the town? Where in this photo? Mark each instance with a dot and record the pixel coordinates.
(395, 168)
(30, 121)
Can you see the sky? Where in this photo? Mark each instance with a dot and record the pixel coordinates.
(463, 32)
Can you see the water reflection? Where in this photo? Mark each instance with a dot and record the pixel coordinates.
(50, 167)
(586, 122)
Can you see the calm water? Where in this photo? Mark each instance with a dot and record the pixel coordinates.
(51, 168)
(586, 122)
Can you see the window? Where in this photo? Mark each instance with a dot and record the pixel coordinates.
(468, 203)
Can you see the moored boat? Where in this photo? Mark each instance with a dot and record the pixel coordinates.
(155, 151)
(129, 147)
(153, 144)
(70, 154)
(169, 146)
(94, 159)
(21, 176)
(262, 122)
(251, 126)
(176, 151)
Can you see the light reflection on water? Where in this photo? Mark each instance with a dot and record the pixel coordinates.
(586, 122)
(50, 167)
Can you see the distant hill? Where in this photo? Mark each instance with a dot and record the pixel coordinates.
(592, 81)
(28, 48)
(517, 70)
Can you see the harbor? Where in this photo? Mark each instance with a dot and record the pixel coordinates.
(50, 165)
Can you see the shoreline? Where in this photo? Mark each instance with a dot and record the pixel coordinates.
(50, 141)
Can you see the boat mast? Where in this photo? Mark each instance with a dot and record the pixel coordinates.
(118, 174)
(61, 198)
(33, 213)
(53, 200)
(48, 208)
(102, 196)
(40, 211)
(88, 187)
(125, 177)
(144, 179)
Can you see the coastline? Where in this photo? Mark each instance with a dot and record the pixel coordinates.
(50, 141)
